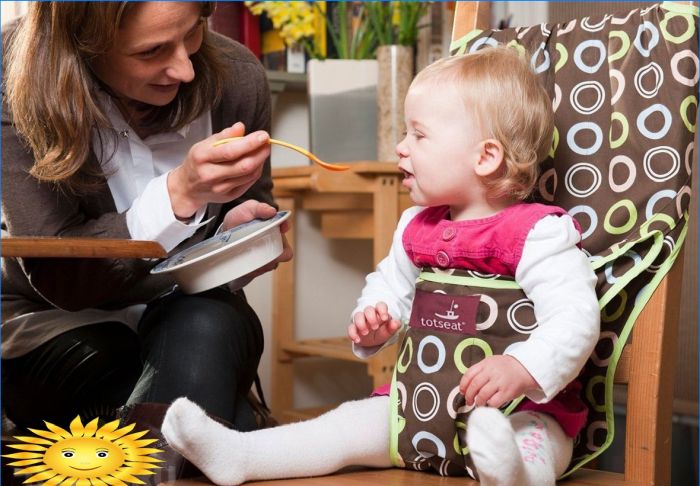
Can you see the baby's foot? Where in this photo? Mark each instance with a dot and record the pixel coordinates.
(492, 445)
(216, 450)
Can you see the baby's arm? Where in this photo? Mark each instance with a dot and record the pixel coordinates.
(392, 283)
(558, 278)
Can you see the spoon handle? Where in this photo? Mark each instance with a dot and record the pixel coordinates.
(325, 165)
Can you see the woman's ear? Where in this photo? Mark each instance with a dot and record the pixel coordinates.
(490, 157)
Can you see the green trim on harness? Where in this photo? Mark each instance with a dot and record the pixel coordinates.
(475, 281)
(620, 344)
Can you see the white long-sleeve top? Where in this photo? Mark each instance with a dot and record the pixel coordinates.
(553, 272)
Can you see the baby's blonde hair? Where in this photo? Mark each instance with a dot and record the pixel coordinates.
(510, 104)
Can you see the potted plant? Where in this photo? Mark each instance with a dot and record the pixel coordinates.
(342, 40)
(396, 26)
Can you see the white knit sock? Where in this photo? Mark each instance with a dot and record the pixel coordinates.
(524, 449)
(355, 433)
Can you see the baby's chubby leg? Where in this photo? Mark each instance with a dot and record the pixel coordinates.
(524, 449)
(355, 433)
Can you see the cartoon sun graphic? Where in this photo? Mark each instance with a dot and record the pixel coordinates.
(85, 456)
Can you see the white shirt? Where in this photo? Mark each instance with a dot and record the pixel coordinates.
(552, 272)
(137, 174)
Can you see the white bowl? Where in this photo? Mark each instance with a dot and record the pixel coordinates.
(226, 256)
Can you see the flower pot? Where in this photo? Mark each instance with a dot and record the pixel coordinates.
(342, 109)
(395, 75)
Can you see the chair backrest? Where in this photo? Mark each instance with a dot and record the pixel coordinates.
(624, 92)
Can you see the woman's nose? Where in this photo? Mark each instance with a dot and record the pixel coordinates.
(180, 67)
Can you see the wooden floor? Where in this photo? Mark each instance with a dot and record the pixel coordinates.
(402, 477)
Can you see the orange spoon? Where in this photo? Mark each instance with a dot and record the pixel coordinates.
(325, 165)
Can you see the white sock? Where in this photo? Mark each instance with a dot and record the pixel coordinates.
(355, 433)
(524, 449)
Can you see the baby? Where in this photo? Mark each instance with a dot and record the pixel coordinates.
(477, 128)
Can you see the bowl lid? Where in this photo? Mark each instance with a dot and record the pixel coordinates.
(220, 242)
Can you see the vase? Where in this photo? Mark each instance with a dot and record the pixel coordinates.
(342, 109)
(395, 63)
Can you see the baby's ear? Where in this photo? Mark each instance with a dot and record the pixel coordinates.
(490, 157)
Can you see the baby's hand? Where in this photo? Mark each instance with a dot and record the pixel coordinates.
(495, 381)
(373, 327)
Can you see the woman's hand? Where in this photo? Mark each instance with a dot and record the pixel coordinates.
(373, 327)
(495, 380)
(217, 174)
(248, 211)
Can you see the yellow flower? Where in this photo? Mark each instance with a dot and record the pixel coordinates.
(295, 20)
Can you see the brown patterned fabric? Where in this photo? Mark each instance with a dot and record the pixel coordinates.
(624, 91)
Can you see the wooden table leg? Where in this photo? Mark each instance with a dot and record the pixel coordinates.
(283, 311)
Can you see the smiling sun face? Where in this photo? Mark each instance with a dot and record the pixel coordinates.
(88, 455)
(84, 457)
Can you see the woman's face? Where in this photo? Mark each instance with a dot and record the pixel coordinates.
(151, 55)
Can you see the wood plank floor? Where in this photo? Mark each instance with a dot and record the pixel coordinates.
(402, 477)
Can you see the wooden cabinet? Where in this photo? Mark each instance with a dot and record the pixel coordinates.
(363, 202)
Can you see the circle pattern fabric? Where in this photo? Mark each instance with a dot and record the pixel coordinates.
(624, 91)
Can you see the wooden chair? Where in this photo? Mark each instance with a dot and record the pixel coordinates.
(646, 367)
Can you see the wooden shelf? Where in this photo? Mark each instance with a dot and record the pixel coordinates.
(363, 202)
(335, 348)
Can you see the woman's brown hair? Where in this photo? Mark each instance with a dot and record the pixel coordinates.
(51, 90)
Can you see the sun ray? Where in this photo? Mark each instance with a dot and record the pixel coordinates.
(143, 459)
(64, 434)
(27, 447)
(136, 471)
(83, 482)
(98, 482)
(26, 462)
(76, 427)
(91, 428)
(33, 469)
(125, 476)
(112, 436)
(33, 440)
(54, 480)
(113, 481)
(131, 437)
(23, 455)
(46, 434)
(107, 428)
(42, 476)
(69, 481)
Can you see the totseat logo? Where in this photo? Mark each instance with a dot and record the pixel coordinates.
(442, 312)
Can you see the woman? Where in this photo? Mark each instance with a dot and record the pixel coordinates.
(110, 111)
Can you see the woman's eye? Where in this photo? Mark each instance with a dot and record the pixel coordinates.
(149, 52)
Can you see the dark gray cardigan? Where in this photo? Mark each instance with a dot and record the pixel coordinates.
(31, 208)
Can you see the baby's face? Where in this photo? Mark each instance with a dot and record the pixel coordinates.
(441, 146)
